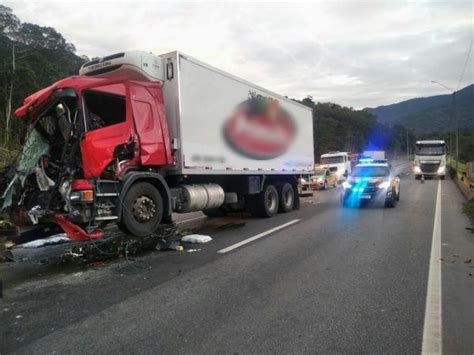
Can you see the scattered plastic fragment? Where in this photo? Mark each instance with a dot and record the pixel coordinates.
(179, 248)
(168, 245)
(468, 261)
(193, 250)
(196, 238)
(54, 239)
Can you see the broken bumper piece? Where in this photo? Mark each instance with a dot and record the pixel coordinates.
(76, 232)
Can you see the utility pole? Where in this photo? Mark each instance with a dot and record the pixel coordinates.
(455, 114)
(9, 103)
(408, 150)
(456, 128)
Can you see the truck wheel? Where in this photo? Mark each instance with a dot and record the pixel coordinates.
(286, 195)
(266, 203)
(417, 177)
(442, 177)
(142, 210)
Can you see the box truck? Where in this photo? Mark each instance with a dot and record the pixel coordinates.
(138, 136)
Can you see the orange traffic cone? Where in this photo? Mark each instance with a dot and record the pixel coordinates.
(422, 180)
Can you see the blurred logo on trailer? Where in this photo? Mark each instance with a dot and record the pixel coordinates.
(259, 128)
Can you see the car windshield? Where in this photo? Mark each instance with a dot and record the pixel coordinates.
(332, 160)
(371, 171)
(430, 149)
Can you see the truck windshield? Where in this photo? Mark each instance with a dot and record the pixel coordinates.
(332, 160)
(430, 149)
(371, 171)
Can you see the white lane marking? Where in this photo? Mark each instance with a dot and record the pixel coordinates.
(258, 236)
(432, 329)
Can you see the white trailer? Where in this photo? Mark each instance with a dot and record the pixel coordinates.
(202, 104)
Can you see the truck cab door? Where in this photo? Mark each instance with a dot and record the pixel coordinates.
(109, 125)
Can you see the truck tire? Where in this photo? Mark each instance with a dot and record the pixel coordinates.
(265, 204)
(142, 210)
(286, 196)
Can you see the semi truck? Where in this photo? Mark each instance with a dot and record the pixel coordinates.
(137, 136)
(430, 158)
(338, 163)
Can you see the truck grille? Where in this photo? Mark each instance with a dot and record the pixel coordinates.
(429, 168)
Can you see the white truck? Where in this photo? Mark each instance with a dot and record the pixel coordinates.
(374, 154)
(338, 163)
(143, 135)
(430, 158)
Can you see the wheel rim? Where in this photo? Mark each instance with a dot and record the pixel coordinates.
(271, 201)
(144, 209)
(288, 198)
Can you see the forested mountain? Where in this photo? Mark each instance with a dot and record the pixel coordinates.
(345, 129)
(31, 57)
(430, 114)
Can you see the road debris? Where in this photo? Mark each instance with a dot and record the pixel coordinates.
(169, 245)
(468, 261)
(196, 238)
(52, 240)
(193, 250)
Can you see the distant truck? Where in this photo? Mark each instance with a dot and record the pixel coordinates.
(374, 154)
(430, 158)
(138, 136)
(338, 163)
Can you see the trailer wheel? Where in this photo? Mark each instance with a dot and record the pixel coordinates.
(286, 195)
(142, 210)
(266, 203)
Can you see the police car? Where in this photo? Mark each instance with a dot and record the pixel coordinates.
(371, 181)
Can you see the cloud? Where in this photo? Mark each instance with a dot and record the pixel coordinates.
(353, 53)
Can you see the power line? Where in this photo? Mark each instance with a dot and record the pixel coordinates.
(465, 64)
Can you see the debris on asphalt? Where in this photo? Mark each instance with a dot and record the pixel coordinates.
(112, 246)
(52, 240)
(196, 238)
(468, 261)
(168, 245)
(193, 250)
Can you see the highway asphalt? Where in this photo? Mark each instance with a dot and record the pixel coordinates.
(334, 280)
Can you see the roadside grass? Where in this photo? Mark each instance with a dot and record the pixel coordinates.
(468, 209)
(461, 166)
(6, 157)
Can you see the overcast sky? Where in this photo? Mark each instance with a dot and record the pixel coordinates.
(359, 54)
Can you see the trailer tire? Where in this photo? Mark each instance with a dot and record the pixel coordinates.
(286, 197)
(266, 203)
(142, 210)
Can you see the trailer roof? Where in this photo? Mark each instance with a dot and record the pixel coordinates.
(243, 81)
(431, 142)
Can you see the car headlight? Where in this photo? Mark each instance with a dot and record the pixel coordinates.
(302, 180)
(417, 169)
(441, 169)
(384, 185)
(346, 185)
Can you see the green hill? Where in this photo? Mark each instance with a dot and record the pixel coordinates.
(31, 57)
(430, 114)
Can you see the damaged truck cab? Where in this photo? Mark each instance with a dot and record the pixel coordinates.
(125, 142)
